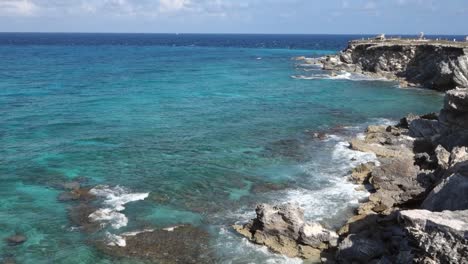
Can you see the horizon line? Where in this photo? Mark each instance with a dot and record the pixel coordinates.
(220, 33)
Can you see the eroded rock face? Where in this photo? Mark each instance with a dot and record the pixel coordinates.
(358, 248)
(455, 112)
(398, 181)
(450, 194)
(283, 229)
(440, 67)
(443, 236)
(361, 173)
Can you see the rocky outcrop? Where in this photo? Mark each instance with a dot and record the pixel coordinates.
(431, 172)
(450, 194)
(435, 65)
(282, 228)
(454, 115)
(443, 236)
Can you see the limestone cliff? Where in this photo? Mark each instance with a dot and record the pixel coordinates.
(439, 65)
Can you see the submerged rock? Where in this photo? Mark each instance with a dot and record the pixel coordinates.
(283, 229)
(182, 244)
(443, 236)
(16, 239)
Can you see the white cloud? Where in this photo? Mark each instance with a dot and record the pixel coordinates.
(18, 7)
(172, 5)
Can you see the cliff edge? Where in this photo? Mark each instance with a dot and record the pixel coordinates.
(434, 64)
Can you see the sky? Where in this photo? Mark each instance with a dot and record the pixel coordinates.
(236, 16)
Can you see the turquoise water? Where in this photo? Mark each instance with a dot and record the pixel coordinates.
(206, 132)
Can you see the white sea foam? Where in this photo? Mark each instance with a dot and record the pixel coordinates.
(134, 233)
(109, 216)
(340, 76)
(114, 200)
(171, 228)
(115, 240)
(351, 158)
(244, 251)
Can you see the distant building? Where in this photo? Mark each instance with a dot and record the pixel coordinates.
(466, 38)
(421, 35)
(380, 37)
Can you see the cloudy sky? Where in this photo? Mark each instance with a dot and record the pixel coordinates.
(236, 16)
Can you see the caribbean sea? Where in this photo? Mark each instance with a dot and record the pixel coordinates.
(177, 129)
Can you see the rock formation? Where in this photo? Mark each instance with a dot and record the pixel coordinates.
(283, 229)
(417, 211)
(442, 236)
(432, 64)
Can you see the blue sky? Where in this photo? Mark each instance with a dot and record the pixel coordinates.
(236, 16)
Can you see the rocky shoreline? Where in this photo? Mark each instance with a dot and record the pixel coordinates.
(420, 63)
(417, 210)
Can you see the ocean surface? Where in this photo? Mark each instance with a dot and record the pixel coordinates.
(177, 129)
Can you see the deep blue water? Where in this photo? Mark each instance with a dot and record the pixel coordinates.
(206, 125)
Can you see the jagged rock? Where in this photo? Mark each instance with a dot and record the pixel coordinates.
(361, 173)
(450, 194)
(380, 150)
(458, 154)
(457, 100)
(283, 229)
(443, 157)
(355, 248)
(396, 181)
(424, 128)
(455, 112)
(376, 129)
(442, 236)
(433, 65)
(16, 239)
(454, 119)
(405, 121)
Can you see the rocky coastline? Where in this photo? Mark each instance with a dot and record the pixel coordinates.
(417, 210)
(438, 65)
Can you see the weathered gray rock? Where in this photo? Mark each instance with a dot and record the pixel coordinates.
(355, 248)
(450, 194)
(361, 173)
(458, 154)
(455, 111)
(442, 236)
(396, 181)
(424, 128)
(283, 229)
(443, 157)
(390, 151)
(457, 100)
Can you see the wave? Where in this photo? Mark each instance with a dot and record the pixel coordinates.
(341, 76)
(114, 200)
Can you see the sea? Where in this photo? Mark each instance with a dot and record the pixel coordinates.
(178, 129)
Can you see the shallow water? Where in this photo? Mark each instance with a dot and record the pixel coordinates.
(205, 131)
